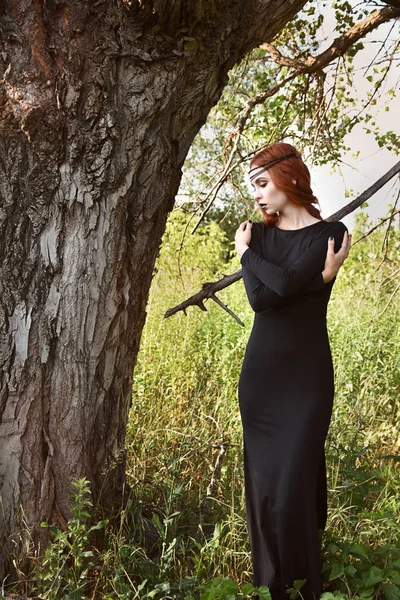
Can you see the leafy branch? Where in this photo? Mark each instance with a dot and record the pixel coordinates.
(311, 65)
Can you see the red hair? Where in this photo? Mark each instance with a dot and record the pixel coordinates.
(282, 175)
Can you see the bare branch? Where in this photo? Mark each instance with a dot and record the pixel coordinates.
(395, 3)
(210, 288)
(387, 305)
(349, 208)
(207, 291)
(228, 310)
(280, 59)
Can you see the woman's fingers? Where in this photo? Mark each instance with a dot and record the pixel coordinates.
(344, 248)
(334, 260)
(245, 226)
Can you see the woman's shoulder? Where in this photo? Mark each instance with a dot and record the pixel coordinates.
(257, 233)
(258, 229)
(334, 227)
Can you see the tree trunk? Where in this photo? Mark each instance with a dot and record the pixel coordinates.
(99, 103)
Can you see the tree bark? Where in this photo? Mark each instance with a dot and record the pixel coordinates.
(99, 103)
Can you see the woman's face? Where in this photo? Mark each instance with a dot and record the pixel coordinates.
(270, 198)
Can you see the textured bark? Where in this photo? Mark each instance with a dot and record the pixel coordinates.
(99, 103)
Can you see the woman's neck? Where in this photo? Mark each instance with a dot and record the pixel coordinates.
(295, 218)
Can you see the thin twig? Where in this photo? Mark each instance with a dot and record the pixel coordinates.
(387, 305)
(367, 233)
(228, 310)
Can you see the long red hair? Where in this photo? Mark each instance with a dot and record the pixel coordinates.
(282, 175)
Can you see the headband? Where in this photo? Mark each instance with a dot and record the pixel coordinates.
(271, 163)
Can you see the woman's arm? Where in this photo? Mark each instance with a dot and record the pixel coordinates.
(285, 282)
(261, 297)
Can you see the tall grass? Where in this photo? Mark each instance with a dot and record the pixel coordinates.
(185, 410)
(185, 524)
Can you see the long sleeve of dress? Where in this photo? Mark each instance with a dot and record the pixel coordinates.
(287, 281)
(261, 297)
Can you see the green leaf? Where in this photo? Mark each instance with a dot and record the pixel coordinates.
(350, 570)
(264, 593)
(142, 585)
(359, 550)
(336, 571)
(163, 587)
(391, 592)
(374, 575)
(367, 593)
(294, 591)
(247, 589)
(99, 525)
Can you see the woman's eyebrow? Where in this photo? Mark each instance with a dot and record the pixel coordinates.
(261, 178)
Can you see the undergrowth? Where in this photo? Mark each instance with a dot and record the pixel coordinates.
(182, 533)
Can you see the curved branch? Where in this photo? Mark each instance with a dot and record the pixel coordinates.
(209, 289)
(340, 45)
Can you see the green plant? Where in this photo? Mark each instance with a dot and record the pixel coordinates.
(363, 572)
(223, 588)
(65, 569)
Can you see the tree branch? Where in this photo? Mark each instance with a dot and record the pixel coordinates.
(209, 289)
(395, 3)
(340, 45)
(349, 208)
(311, 65)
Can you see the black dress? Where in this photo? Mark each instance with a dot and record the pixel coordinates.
(286, 390)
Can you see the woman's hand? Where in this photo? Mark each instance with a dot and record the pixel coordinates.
(333, 260)
(243, 237)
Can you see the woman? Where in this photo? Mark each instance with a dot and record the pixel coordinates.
(286, 384)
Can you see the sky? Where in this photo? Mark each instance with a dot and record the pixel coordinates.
(373, 162)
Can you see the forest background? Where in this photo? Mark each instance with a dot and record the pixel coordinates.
(183, 534)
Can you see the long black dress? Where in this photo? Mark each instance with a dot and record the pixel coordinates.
(286, 391)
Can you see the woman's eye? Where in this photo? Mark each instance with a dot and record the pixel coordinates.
(263, 185)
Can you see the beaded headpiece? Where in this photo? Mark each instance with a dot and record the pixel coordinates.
(271, 163)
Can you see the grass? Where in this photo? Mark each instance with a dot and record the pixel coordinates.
(184, 533)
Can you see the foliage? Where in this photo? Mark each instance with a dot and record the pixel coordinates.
(315, 111)
(183, 537)
(65, 569)
(366, 571)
